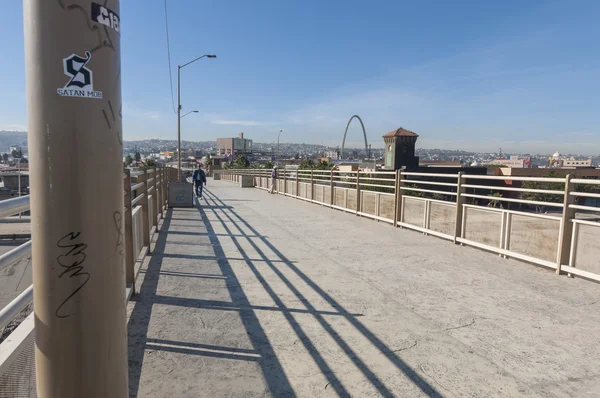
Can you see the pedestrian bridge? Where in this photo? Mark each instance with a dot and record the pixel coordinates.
(249, 295)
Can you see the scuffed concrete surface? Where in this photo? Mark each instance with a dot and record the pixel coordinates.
(257, 295)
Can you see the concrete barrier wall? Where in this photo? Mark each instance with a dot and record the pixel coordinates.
(534, 236)
(386, 205)
(339, 197)
(414, 211)
(587, 252)
(483, 226)
(137, 228)
(442, 217)
(368, 202)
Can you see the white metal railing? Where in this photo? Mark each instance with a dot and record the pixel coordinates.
(145, 202)
(495, 213)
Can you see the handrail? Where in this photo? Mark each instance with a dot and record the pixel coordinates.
(137, 186)
(14, 206)
(513, 178)
(407, 173)
(548, 191)
(502, 199)
(585, 181)
(16, 254)
(13, 308)
(137, 199)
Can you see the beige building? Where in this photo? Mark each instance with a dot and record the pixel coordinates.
(233, 146)
(557, 161)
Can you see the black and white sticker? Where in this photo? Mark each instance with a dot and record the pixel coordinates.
(106, 17)
(81, 79)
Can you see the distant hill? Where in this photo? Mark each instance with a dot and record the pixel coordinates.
(10, 138)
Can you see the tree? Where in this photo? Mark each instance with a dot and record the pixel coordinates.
(306, 164)
(138, 157)
(5, 157)
(269, 165)
(148, 164)
(544, 185)
(128, 159)
(17, 154)
(241, 162)
(495, 202)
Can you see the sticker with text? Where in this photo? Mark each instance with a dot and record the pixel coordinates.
(106, 17)
(81, 83)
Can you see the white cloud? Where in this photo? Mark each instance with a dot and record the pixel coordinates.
(138, 113)
(13, 127)
(241, 123)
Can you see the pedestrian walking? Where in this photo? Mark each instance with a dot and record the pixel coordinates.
(199, 178)
(273, 179)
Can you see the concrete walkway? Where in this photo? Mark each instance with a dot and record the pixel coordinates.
(257, 295)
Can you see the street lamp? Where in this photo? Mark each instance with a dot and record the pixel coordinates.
(188, 114)
(277, 158)
(179, 109)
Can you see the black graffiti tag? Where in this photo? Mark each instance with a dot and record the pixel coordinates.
(72, 260)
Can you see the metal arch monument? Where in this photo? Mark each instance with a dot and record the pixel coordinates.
(346, 132)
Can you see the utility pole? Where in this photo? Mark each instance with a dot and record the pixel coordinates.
(73, 71)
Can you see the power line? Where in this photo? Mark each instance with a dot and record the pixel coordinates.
(169, 56)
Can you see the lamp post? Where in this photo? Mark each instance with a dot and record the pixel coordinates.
(277, 158)
(179, 67)
(188, 114)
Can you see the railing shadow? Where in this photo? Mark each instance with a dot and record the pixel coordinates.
(139, 320)
(228, 219)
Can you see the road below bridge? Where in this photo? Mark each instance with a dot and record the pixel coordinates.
(257, 295)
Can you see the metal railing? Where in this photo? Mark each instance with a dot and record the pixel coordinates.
(145, 198)
(511, 216)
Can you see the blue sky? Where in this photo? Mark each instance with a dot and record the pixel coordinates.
(474, 75)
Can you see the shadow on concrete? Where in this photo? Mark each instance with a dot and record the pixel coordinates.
(204, 350)
(230, 219)
(140, 319)
(137, 327)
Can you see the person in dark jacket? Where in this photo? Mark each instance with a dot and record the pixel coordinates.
(273, 179)
(199, 178)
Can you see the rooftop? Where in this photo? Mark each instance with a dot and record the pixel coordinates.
(400, 132)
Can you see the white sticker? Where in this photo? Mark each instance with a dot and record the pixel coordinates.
(81, 83)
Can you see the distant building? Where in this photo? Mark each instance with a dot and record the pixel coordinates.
(557, 161)
(511, 161)
(234, 146)
(576, 163)
(400, 149)
(439, 163)
(332, 155)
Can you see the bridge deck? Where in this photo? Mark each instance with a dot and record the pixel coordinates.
(252, 295)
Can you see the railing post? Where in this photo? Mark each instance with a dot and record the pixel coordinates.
(357, 191)
(154, 199)
(129, 255)
(284, 181)
(460, 201)
(144, 203)
(566, 226)
(397, 197)
(162, 191)
(312, 184)
(332, 190)
(297, 184)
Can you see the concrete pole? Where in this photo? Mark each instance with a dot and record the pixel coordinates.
(72, 61)
(179, 123)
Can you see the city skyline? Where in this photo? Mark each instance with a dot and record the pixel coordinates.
(466, 75)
